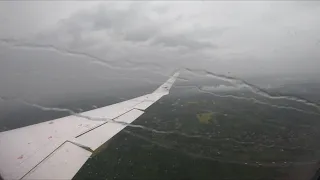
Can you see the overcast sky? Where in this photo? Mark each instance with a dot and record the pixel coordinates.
(59, 47)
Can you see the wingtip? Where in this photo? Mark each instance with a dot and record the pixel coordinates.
(176, 74)
(165, 87)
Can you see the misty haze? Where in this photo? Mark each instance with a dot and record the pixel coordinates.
(246, 104)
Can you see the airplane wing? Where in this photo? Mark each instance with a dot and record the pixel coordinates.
(57, 149)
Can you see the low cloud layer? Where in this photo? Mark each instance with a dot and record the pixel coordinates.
(237, 37)
(60, 53)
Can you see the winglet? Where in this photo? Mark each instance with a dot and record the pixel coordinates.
(165, 87)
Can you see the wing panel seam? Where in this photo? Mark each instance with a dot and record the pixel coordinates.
(110, 119)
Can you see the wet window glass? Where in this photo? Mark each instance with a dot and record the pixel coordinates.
(159, 90)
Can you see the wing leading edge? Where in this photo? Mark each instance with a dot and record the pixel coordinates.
(57, 149)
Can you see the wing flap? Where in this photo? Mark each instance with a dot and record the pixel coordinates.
(24, 148)
(53, 167)
(94, 139)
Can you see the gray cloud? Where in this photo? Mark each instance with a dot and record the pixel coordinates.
(181, 41)
(244, 38)
(131, 24)
(237, 33)
(240, 34)
(141, 34)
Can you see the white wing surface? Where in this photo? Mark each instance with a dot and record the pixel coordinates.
(57, 149)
